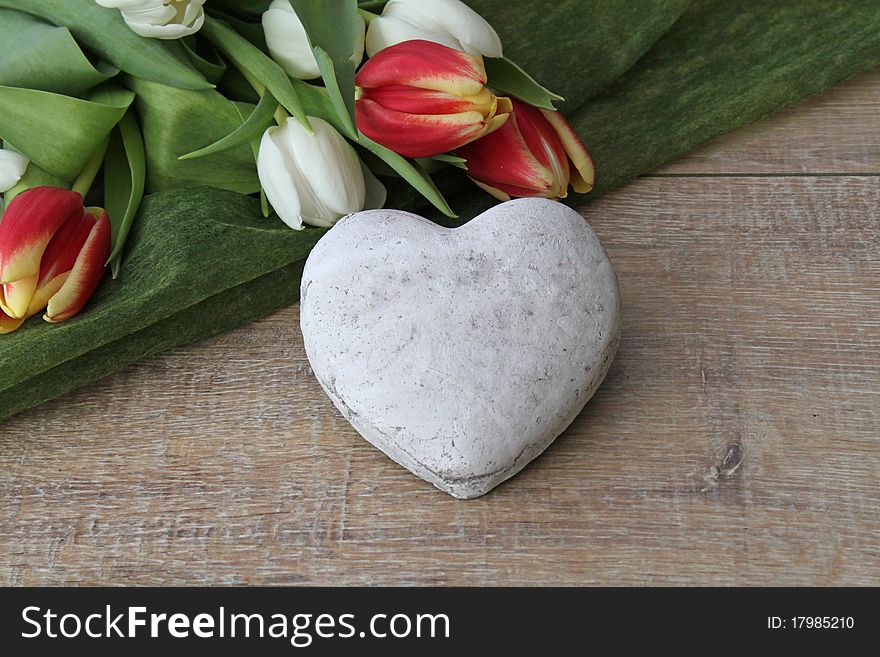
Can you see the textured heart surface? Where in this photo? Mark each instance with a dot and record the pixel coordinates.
(461, 353)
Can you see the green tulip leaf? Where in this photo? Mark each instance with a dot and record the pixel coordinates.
(255, 63)
(412, 173)
(511, 79)
(246, 8)
(236, 87)
(454, 160)
(244, 110)
(104, 31)
(37, 55)
(338, 96)
(124, 182)
(254, 126)
(204, 58)
(333, 28)
(179, 121)
(253, 32)
(60, 133)
(317, 102)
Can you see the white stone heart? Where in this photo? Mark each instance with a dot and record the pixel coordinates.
(462, 354)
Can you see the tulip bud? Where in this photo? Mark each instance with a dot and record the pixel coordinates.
(289, 45)
(12, 168)
(421, 99)
(160, 19)
(535, 154)
(52, 255)
(312, 178)
(449, 22)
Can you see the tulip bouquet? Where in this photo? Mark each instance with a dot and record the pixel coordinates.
(309, 107)
(156, 153)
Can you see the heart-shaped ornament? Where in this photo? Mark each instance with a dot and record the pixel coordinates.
(461, 353)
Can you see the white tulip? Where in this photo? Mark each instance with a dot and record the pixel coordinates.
(449, 22)
(289, 44)
(12, 168)
(314, 178)
(160, 19)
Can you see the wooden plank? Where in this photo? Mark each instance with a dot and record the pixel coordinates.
(736, 440)
(835, 132)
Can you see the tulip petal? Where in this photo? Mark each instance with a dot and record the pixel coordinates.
(288, 42)
(502, 160)
(412, 100)
(12, 168)
(46, 292)
(387, 31)
(276, 170)
(454, 17)
(61, 253)
(86, 274)
(159, 19)
(313, 178)
(449, 22)
(418, 135)
(333, 183)
(543, 142)
(16, 297)
(584, 176)
(9, 324)
(28, 225)
(426, 65)
(375, 192)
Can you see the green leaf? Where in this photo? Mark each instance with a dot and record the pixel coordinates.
(180, 121)
(124, 181)
(338, 96)
(104, 31)
(254, 126)
(37, 55)
(237, 88)
(60, 133)
(333, 28)
(253, 32)
(255, 63)
(454, 160)
(506, 76)
(244, 110)
(246, 8)
(374, 6)
(412, 173)
(204, 58)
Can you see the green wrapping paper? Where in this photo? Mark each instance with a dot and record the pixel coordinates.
(203, 261)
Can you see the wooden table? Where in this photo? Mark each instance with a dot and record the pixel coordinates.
(735, 441)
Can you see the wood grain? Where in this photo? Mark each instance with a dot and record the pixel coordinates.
(735, 441)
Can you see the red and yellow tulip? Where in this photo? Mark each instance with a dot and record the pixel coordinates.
(420, 99)
(52, 255)
(535, 154)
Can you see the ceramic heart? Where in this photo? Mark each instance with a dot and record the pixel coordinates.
(462, 354)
